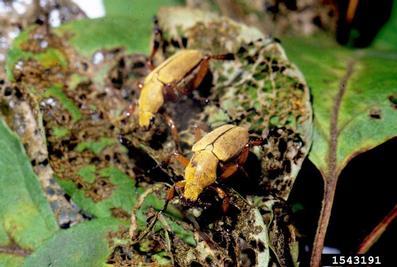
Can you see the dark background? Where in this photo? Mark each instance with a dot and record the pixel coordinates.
(365, 194)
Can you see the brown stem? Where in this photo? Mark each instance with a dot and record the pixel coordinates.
(376, 233)
(332, 173)
(351, 10)
(323, 221)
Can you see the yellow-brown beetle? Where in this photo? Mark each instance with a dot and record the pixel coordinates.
(226, 146)
(178, 75)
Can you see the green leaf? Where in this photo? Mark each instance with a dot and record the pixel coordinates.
(11, 260)
(353, 87)
(95, 146)
(353, 100)
(127, 24)
(90, 35)
(142, 9)
(86, 244)
(25, 216)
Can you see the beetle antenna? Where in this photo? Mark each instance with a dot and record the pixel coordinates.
(228, 56)
(157, 41)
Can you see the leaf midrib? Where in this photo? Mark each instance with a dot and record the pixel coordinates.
(332, 163)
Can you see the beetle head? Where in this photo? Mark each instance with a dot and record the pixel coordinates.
(192, 192)
(146, 119)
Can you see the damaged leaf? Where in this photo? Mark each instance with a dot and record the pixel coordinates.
(260, 90)
(82, 138)
(81, 112)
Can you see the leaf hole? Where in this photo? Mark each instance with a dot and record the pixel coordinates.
(375, 113)
(393, 100)
(195, 264)
(248, 257)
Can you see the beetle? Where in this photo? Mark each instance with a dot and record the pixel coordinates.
(177, 76)
(226, 147)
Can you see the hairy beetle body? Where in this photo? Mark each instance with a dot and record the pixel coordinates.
(170, 77)
(220, 145)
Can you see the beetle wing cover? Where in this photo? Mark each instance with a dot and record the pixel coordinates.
(210, 137)
(179, 65)
(230, 143)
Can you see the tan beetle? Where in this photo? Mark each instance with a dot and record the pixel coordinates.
(226, 147)
(177, 76)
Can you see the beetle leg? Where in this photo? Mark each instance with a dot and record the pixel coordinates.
(204, 65)
(228, 56)
(228, 170)
(222, 195)
(231, 168)
(171, 192)
(174, 131)
(244, 155)
(202, 71)
(256, 142)
(198, 132)
(181, 159)
(170, 92)
(157, 40)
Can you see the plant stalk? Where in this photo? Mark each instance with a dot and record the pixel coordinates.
(331, 175)
(376, 233)
(323, 221)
